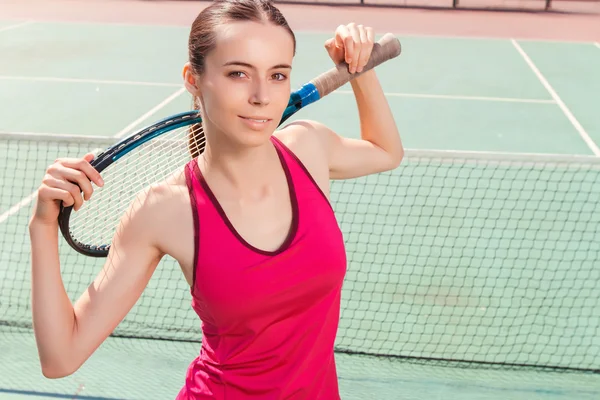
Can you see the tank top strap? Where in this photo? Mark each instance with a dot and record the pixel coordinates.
(303, 180)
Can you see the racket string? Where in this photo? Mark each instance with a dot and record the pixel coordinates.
(130, 179)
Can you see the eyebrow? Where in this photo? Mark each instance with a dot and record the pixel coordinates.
(243, 64)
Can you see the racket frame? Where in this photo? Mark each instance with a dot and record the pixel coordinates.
(386, 48)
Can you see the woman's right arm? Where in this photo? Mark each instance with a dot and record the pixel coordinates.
(67, 334)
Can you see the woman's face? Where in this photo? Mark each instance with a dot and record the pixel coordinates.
(245, 86)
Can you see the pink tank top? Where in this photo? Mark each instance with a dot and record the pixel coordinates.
(269, 318)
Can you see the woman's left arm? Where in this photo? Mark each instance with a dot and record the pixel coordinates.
(380, 147)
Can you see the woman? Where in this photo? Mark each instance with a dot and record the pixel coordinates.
(248, 220)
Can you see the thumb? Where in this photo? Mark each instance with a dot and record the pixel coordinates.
(333, 50)
(89, 157)
(330, 45)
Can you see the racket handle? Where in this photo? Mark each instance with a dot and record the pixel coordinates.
(385, 49)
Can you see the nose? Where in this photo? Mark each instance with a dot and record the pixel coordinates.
(260, 93)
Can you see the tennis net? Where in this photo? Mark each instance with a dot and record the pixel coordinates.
(467, 259)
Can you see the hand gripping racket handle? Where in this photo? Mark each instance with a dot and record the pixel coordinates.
(385, 49)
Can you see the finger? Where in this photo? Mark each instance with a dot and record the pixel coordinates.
(62, 173)
(330, 47)
(68, 192)
(370, 35)
(329, 43)
(343, 40)
(73, 190)
(341, 32)
(81, 180)
(89, 157)
(84, 166)
(366, 47)
(47, 193)
(75, 193)
(356, 47)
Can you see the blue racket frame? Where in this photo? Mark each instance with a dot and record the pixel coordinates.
(299, 99)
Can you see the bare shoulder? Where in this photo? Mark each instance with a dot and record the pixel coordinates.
(171, 189)
(161, 208)
(303, 133)
(305, 138)
(163, 194)
(174, 223)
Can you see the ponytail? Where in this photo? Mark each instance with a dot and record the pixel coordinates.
(196, 139)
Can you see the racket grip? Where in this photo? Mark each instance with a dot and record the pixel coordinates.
(385, 49)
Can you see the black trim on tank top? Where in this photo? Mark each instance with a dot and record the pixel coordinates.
(194, 204)
(303, 167)
(293, 199)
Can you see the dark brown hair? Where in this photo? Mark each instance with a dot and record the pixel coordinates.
(202, 38)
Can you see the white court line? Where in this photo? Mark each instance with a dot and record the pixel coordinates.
(82, 80)
(526, 157)
(597, 44)
(456, 97)
(163, 84)
(163, 103)
(7, 28)
(47, 136)
(586, 138)
(15, 209)
(32, 133)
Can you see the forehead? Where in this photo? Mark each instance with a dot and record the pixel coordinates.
(260, 44)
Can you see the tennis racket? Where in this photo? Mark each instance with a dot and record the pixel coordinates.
(153, 153)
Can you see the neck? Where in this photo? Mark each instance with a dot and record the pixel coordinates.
(245, 169)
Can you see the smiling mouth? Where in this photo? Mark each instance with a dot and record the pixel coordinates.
(256, 119)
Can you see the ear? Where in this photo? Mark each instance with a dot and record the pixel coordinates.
(189, 80)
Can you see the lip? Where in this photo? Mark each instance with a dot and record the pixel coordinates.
(255, 117)
(256, 123)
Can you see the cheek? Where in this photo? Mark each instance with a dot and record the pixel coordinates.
(281, 96)
(221, 97)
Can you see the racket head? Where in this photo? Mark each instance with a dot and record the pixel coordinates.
(89, 230)
(86, 242)
(166, 144)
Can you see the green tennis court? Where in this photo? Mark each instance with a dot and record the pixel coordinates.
(474, 268)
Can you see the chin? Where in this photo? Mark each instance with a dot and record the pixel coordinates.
(253, 138)
(254, 134)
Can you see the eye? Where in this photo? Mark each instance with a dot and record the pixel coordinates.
(236, 74)
(279, 76)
